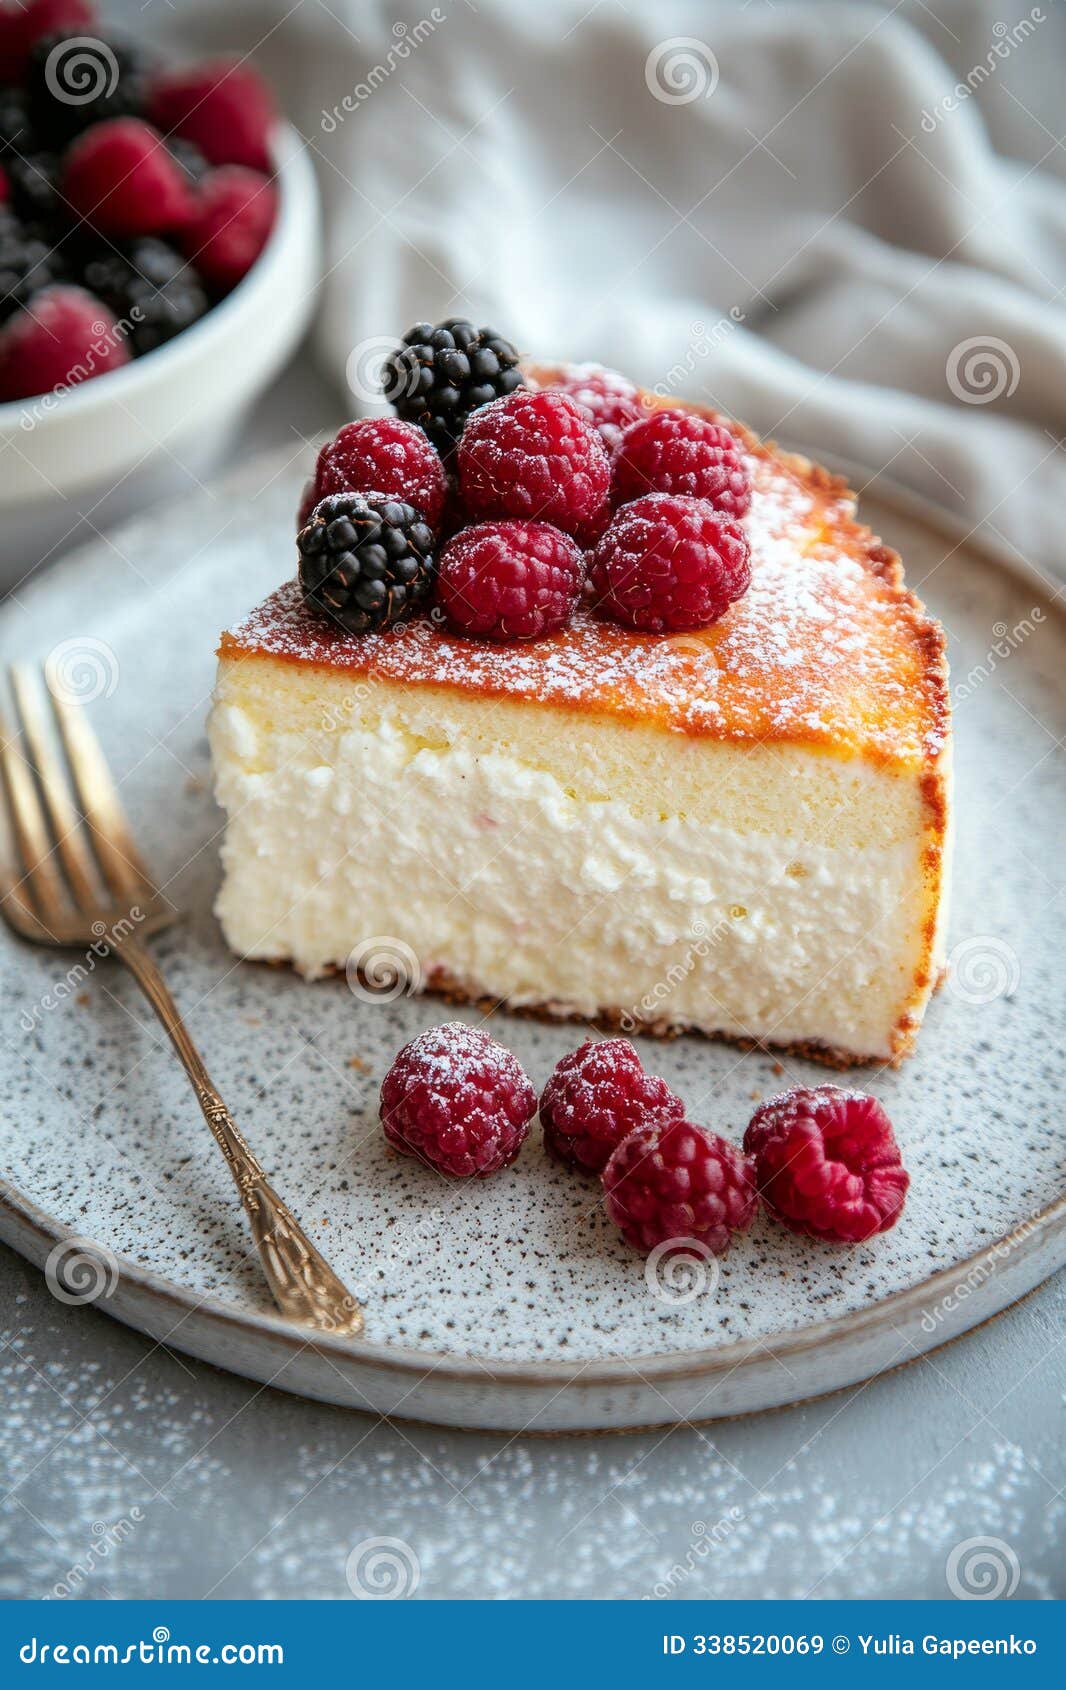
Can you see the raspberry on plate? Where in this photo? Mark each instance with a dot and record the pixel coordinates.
(680, 452)
(510, 580)
(458, 1101)
(673, 1181)
(222, 106)
(384, 455)
(827, 1163)
(63, 336)
(534, 455)
(230, 224)
(666, 564)
(610, 401)
(120, 178)
(595, 1098)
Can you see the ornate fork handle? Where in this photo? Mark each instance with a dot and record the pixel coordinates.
(305, 1287)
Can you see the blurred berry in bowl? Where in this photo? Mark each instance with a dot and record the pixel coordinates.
(155, 220)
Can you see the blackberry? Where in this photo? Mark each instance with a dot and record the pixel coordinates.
(35, 194)
(190, 158)
(148, 285)
(365, 560)
(27, 264)
(440, 374)
(15, 132)
(75, 80)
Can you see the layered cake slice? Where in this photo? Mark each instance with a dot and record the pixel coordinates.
(740, 828)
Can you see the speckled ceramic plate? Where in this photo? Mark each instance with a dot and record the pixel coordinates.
(514, 1304)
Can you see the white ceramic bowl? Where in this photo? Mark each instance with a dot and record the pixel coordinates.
(86, 458)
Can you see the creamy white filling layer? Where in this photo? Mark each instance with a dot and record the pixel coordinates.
(491, 871)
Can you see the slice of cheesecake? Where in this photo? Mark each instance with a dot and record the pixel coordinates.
(742, 830)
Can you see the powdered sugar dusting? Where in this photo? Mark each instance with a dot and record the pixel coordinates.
(820, 650)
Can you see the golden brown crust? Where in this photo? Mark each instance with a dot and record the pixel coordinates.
(827, 650)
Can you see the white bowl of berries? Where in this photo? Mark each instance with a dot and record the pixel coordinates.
(159, 252)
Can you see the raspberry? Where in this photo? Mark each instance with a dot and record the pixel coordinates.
(63, 336)
(680, 452)
(223, 107)
(120, 178)
(675, 1181)
(827, 1163)
(667, 563)
(533, 455)
(510, 580)
(609, 401)
(595, 1098)
(233, 217)
(384, 455)
(458, 1101)
(22, 22)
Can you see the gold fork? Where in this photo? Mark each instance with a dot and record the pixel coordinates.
(83, 883)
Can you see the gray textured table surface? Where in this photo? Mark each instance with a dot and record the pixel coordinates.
(157, 1476)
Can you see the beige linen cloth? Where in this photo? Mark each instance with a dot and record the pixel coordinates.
(844, 223)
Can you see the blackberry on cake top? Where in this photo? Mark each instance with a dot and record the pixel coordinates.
(366, 560)
(444, 372)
